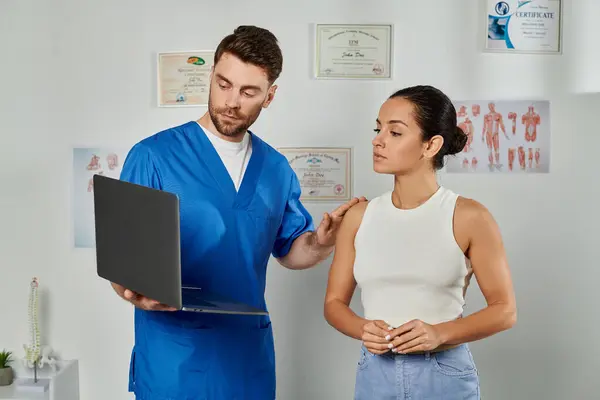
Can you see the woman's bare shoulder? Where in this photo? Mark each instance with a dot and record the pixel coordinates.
(359, 208)
(354, 216)
(470, 211)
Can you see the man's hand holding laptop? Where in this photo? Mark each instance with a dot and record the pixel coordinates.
(141, 301)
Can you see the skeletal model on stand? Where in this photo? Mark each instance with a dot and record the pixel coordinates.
(36, 356)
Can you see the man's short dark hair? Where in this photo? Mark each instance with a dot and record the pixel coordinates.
(253, 45)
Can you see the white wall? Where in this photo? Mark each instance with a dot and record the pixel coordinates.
(77, 72)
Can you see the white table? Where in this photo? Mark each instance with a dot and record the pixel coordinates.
(63, 384)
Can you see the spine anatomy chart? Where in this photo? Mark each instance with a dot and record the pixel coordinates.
(503, 137)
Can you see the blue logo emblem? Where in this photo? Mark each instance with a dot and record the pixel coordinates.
(502, 8)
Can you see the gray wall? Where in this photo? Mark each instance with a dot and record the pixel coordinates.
(70, 76)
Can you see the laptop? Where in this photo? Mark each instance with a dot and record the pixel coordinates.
(138, 247)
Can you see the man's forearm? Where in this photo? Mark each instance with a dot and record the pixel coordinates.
(305, 252)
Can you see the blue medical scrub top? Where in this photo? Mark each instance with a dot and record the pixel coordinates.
(227, 237)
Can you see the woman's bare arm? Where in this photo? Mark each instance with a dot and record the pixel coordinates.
(488, 259)
(341, 283)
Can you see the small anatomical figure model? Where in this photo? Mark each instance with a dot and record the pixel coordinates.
(33, 348)
(492, 123)
(475, 109)
(112, 160)
(474, 163)
(462, 112)
(94, 163)
(537, 158)
(511, 157)
(36, 355)
(513, 117)
(522, 157)
(467, 128)
(531, 120)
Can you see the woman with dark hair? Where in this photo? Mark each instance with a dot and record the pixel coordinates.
(412, 252)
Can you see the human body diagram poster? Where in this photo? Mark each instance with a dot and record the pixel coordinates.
(88, 162)
(503, 137)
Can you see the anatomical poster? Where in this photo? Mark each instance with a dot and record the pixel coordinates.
(503, 137)
(88, 162)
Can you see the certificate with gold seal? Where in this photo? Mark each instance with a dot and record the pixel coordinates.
(353, 51)
(184, 78)
(325, 173)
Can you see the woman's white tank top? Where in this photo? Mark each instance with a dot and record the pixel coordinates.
(408, 264)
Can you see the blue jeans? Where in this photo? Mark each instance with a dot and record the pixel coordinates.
(449, 374)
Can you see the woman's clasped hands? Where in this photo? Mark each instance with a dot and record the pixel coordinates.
(414, 336)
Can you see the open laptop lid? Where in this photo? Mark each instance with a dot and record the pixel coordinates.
(138, 247)
(137, 238)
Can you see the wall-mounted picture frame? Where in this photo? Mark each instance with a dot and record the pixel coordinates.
(523, 27)
(354, 51)
(183, 78)
(325, 173)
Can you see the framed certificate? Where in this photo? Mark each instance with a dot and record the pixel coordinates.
(184, 78)
(353, 51)
(325, 173)
(530, 27)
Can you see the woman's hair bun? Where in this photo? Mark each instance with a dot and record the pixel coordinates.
(457, 142)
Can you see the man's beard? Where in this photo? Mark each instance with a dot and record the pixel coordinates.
(236, 127)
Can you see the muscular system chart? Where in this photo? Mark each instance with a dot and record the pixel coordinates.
(503, 137)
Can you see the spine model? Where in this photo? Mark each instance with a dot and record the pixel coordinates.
(32, 351)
